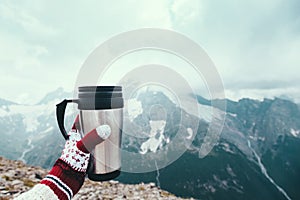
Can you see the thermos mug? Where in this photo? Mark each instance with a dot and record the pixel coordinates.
(99, 105)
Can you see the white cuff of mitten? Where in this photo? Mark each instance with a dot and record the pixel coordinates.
(104, 131)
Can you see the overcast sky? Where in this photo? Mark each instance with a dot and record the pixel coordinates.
(255, 44)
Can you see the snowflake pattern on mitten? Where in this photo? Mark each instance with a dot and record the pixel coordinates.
(74, 157)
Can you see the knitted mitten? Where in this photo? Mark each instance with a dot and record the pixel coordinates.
(68, 173)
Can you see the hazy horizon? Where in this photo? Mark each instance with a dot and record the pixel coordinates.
(73, 93)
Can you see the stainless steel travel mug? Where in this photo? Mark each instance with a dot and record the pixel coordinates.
(99, 105)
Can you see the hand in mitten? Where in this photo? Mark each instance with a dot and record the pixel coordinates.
(68, 173)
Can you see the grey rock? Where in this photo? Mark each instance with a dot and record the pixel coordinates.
(16, 178)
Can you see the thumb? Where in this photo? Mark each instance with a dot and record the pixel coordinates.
(94, 137)
(75, 125)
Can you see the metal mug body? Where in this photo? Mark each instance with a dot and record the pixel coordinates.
(105, 160)
(99, 105)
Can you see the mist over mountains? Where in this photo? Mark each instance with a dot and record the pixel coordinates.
(256, 157)
(29, 132)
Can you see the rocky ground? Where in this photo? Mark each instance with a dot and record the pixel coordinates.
(16, 178)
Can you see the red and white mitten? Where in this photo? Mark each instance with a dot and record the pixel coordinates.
(68, 173)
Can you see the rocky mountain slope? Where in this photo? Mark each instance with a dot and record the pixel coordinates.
(16, 178)
(255, 157)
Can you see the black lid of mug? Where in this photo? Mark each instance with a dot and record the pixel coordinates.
(100, 97)
(99, 88)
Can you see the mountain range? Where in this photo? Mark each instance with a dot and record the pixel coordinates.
(255, 157)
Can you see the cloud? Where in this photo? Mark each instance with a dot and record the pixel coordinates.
(255, 45)
(12, 13)
(185, 12)
(290, 93)
(43, 44)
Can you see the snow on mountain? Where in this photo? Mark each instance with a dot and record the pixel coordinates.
(156, 137)
(26, 128)
(295, 133)
(30, 113)
(190, 133)
(3, 110)
(134, 108)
